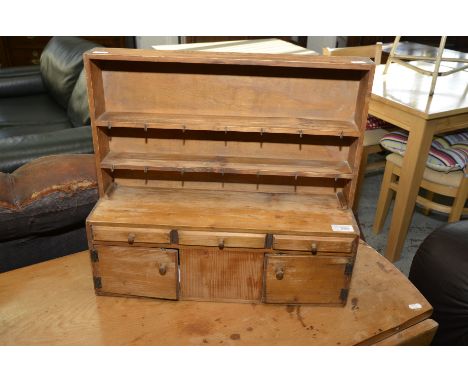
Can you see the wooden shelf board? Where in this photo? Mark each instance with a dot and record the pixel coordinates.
(227, 165)
(284, 125)
(227, 211)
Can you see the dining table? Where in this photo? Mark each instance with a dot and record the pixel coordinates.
(401, 97)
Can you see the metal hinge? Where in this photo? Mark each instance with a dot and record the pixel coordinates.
(269, 241)
(349, 269)
(344, 294)
(174, 236)
(94, 255)
(97, 282)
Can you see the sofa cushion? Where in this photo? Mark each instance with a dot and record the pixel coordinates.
(18, 150)
(38, 109)
(447, 153)
(61, 64)
(451, 179)
(22, 80)
(78, 109)
(46, 194)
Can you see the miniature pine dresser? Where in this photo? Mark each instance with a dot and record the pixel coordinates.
(225, 176)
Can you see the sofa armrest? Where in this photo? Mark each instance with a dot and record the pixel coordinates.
(18, 150)
(19, 81)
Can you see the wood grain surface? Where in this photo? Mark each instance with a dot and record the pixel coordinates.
(229, 211)
(210, 274)
(228, 165)
(305, 279)
(53, 303)
(267, 124)
(136, 271)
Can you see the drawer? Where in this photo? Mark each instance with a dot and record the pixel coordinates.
(222, 239)
(324, 245)
(137, 271)
(306, 279)
(131, 235)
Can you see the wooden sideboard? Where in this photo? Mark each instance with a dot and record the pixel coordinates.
(26, 50)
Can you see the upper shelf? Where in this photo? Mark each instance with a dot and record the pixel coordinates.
(284, 125)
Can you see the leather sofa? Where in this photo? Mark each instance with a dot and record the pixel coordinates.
(440, 271)
(43, 208)
(44, 109)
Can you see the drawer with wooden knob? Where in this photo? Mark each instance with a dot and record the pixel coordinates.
(131, 235)
(222, 239)
(316, 245)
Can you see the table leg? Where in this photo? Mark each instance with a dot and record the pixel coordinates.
(414, 162)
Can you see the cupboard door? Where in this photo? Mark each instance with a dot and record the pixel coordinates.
(210, 274)
(306, 279)
(150, 272)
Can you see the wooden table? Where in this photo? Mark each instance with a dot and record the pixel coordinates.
(53, 303)
(402, 98)
(408, 48)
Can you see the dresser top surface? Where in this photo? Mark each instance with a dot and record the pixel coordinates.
(231, 211)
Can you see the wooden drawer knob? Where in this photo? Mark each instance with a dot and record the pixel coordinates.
(279, 274)
(131, 238)
(221, 244)
(314, 248)
(162, 269)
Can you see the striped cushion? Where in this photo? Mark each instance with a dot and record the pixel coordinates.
(447, 153)
(376, 123)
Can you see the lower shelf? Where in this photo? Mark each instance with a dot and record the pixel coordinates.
(226, 164)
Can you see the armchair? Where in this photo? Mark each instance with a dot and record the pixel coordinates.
(44, 109)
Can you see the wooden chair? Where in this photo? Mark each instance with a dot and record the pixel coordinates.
(372, 138)
(453, 184)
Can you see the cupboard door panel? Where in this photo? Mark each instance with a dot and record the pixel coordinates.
(150, 272)
(210, 274)
(305, 279)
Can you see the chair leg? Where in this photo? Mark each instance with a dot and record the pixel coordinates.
(385, 198)
(360, 179)
(459, 201)
(429, 196)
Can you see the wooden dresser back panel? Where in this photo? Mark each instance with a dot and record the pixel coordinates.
(287, 146)
(227, 182)
(229, 90)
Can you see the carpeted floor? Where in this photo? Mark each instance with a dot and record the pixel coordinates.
(420, 227)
